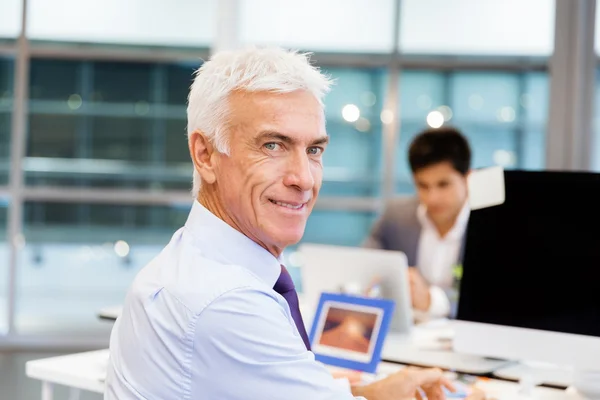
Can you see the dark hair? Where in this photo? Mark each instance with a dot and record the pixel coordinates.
(434, 146)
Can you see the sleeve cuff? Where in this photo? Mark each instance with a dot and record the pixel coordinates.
(440, 304)
(343, 384)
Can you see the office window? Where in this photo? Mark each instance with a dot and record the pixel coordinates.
(79, 258)
(353, 108)
(108, 124)
(4, 262)
(503, 114)
(475, 27)
(154, 22)
(10, 18)
(6, 106)
(345, 26)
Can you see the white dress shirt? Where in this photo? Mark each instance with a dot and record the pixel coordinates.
(202, 321)
(437, 256)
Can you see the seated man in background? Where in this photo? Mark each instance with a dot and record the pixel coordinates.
(215, 315)
(430, 228)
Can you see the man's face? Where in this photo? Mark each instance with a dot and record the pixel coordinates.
(269, 183)
(442, 189)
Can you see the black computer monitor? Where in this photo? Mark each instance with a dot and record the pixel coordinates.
(531, 272)
(534, 261)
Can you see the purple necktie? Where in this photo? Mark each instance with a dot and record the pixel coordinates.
(285, 287)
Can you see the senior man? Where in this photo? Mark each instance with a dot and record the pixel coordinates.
(215, 315)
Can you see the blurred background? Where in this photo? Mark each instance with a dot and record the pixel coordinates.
(94, 168)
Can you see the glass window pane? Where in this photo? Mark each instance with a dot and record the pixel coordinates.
(106, 124)
(179, 80)
(533, 146)
(120, 138)
(154, 22)
(4, 260)
(54, 79)
(421, 92)
(10, 18)
(79, 258)
(176, 146)
(358, 25)
(483, 96)
(353, 110)
(535, 103)
(6, 106)
(52, 135)
(503, 114)
(122, 82)
(510, 27)
(535, 100)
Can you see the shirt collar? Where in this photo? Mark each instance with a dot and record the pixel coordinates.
(223, 243)
(460, 225)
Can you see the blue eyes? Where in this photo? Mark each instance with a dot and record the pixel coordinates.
(312, 151)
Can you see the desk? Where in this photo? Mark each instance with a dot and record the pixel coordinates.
(87, 371)
(82, 371)
(430, 345)
(502, 390)
(542, 373)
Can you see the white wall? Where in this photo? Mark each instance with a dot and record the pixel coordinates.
(160, 22)
(507, 27)
(10, 18)
(331, 25)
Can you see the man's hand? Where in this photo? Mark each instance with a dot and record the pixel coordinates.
(407, 385)
(419, 290)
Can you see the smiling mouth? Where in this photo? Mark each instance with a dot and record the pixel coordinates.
(291, 206)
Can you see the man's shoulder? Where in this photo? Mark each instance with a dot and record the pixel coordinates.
(402, 207)
(192, 279)
(209, 280)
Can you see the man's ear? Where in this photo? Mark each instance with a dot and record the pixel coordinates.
(201, 151)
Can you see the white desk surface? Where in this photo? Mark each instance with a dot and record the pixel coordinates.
(499, 390)
(502, 390)
(430, 345)
(86, 371)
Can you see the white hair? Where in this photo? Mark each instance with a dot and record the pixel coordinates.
(252, 70)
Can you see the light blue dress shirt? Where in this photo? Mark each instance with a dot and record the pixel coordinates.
(201, 321)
